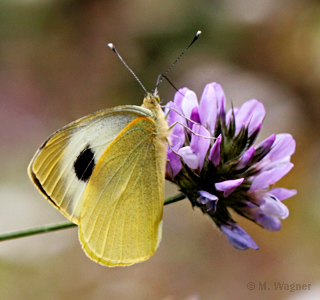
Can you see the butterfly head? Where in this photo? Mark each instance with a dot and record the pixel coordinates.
(152, 101)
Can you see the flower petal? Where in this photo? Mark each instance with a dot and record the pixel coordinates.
(237, 237)
(254, 212)
(273, 207)
(195, 116)
(179, 98)
(214, 154)
(264, 147)
(199, 144)
(189, 157)
(282, 193)
(250, 114)
(212, 103)
(228, 186)
(265, 179)
(246, 158)
(269, 223)
(283, 147)
(208, 199)
(174, 118)
(174, 164)
(190, 101)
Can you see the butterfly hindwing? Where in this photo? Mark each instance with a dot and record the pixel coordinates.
(121, 217)
(63, 165)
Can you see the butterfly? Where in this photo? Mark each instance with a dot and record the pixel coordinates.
(105, 172)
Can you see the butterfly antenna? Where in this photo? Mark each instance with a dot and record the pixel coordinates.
(170, 82)
(112, 47)
(164, 75)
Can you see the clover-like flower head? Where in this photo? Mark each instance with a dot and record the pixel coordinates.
(213, 160)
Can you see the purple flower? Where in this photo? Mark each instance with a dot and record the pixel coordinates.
(214, 155)
(213, 160)
(208, 199)
(250, 115)
(237, 237)
(195, 154)
(211, 105)
(228, 186)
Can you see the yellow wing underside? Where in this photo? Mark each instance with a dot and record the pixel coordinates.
(121, 217)
(52, 169)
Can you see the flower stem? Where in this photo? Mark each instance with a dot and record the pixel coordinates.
(36, 230)
(63, 225)
(174, 198)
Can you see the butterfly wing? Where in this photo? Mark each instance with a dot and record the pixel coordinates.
(63, 165)
(121, 217)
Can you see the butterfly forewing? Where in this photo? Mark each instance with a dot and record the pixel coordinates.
(120, 222)
(62, 166)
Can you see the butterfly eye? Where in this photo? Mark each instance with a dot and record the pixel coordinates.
(84, 164)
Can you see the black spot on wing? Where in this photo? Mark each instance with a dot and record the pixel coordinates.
(84, 164)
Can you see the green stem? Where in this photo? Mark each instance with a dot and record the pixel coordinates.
(63, 225)
(174, 198)
(36, 230)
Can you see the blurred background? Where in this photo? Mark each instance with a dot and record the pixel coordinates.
(55, 67)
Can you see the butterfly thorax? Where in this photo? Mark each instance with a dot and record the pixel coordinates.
(152, 102)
